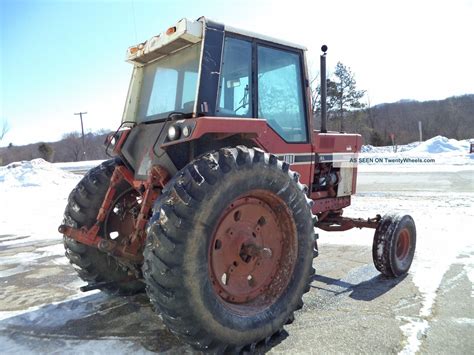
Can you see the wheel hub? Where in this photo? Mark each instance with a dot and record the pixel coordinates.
(403, 244)
(246, 250)
(121, 218)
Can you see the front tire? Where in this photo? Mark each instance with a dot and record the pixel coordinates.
(229, 249)
(394, 244)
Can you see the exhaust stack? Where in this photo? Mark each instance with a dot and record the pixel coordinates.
(324, 48)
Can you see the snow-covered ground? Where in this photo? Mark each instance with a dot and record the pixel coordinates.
(33, 195)
(439, 195)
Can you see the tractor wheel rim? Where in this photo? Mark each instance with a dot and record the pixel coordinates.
(403, 244)
(253, 250)
(121, 218)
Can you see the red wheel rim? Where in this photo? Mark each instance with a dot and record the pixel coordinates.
(121, 218)
(403, 244)
(253, 251)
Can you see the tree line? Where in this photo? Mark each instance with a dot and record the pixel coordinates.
(347, 111)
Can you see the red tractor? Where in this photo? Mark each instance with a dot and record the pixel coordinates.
(218, 184)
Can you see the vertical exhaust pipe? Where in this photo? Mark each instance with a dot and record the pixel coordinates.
(322, 70)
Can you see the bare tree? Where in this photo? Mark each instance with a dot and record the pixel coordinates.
(73, 146)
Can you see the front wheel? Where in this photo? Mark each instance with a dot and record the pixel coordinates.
(229, 249)
(394, 245)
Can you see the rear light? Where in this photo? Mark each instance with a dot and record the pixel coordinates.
(171, 30)
(133, 50)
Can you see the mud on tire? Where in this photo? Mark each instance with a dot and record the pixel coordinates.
(180, 252)
(84, 202)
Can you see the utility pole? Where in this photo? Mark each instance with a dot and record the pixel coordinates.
(420, 130)
(82, 129)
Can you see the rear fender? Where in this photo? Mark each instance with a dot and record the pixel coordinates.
(221, 127)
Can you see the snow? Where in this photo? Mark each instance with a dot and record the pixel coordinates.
(435, 145)
(33, 194)
(36, 172)
(414, 329)
(388, 149)
(440, 144)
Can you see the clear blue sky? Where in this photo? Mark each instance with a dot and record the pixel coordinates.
(60, 57)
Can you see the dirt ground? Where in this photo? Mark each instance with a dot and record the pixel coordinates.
(350, 308)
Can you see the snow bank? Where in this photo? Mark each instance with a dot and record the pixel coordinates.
(435, 145)
(440, 144)
(438, 154)
(36, 172)
(33, 195)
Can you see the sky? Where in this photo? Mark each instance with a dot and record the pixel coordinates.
(59, 57)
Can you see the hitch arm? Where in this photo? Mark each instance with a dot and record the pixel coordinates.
(339, 223)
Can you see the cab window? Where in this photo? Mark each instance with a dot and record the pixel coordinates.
(235, 81)
(280, 93)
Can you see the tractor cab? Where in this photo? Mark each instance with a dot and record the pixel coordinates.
(202, 85)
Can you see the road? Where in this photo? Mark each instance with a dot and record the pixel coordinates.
(349, 309)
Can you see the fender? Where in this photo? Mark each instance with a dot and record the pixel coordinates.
(221, 126)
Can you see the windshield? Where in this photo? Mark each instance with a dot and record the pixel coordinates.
(169, 84)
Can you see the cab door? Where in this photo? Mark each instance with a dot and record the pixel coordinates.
(281, 100)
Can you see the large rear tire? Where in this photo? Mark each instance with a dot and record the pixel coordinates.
(84, 202)
(229, 249)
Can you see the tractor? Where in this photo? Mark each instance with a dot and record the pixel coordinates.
(216, 185)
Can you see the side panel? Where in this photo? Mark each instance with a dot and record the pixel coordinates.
(142, 149)
(229, 125)
(299, 156)
(333, 142)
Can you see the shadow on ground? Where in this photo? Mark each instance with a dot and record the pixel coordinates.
(364, 291)
(96, 317)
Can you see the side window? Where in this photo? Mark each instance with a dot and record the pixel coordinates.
(280, 93)
(162, 100)
(235, 81)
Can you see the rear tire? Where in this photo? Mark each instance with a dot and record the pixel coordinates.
(182, 252)
(84, 202)
(394, 245)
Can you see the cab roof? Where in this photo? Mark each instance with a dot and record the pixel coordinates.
(183, 34)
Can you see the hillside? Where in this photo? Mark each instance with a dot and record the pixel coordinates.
(452, 117)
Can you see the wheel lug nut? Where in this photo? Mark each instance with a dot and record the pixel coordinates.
(266, 253)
